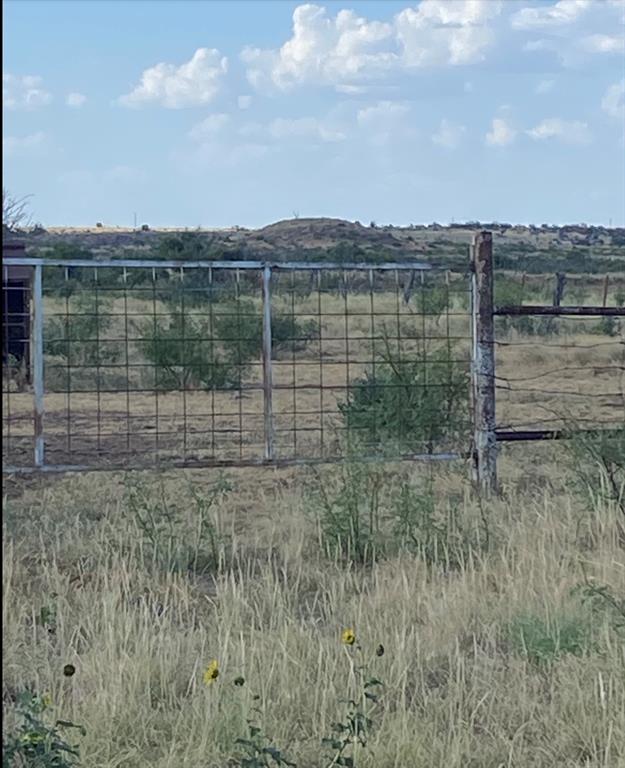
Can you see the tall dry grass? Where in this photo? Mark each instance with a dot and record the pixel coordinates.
(463, 686)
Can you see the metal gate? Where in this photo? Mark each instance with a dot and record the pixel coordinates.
(138, 363)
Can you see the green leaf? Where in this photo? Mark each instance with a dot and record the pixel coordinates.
(371, 696)
(332, 743)
(373, 681)
(245, 743)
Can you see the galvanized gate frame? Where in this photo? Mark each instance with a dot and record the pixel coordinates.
(265, 268)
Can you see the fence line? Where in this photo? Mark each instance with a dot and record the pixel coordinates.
(123, 363)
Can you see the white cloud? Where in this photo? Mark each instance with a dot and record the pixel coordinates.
(545, 86)
(382, 113)
(75, 99)
(210, 126)
(439, 32)
(192, 84)
(448, 134)
(23, 92)
(571, 132)
(305, 128)
(12, 145)
(613, 102)
(323, 50)
(558, 14)
(501, 133)
(343, 50)
(603, 44)
(244, 102)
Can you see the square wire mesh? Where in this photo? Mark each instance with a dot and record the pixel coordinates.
(147, 364)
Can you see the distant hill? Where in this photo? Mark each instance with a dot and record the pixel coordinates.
(578, 248)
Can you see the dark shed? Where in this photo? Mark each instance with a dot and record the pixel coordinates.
(16, 309)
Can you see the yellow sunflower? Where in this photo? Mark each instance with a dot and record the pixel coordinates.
(211, 673)
(348, 637)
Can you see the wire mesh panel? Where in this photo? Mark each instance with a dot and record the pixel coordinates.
(374, 362)
(215, 363)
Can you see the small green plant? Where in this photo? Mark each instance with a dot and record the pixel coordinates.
(597, 460)
(48, 615)
(608, 326)
(602, 601)
(545, 641)
(257, 749)
(434, 531)
(350, 518)
(179, 543)
(36, 743)
(351, 733)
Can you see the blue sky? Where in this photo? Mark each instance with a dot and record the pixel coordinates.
(220, 113)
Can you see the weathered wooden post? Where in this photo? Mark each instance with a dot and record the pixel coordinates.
(483, 364)
(606, 285)
(558, 293)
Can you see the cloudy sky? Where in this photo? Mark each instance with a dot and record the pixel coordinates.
(222, 113)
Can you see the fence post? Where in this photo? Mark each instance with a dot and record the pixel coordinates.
(483, 364)
(606, 285)
(267, 371)
(37, 357)
(558, 293)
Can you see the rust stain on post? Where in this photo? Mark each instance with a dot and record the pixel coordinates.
(483, 364)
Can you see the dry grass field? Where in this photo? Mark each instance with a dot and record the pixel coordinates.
(502, 621)
(492, 658)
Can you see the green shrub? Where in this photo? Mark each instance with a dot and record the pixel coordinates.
(607, 326)
(190, 351)
(414, 405)
(77, 338)
(367, 513)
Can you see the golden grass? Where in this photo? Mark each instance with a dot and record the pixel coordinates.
(457, 692)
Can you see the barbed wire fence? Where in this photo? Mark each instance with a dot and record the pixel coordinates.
(545, 370)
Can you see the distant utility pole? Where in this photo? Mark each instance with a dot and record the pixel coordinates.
(135, 215)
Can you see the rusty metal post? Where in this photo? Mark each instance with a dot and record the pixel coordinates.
(267, 368)
(483, 364)
(37, 358)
